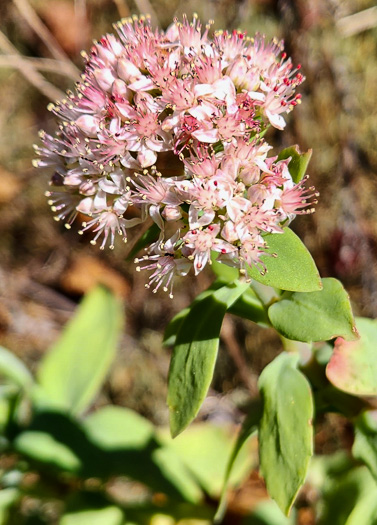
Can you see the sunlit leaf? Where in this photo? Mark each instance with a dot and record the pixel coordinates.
(298, 163)
(176, 471)
(45, 448)
(8, 497)
(91, 509)
(349, 496)
(107, 516)
(291, 267)
(315, 316)
(13, 369)
(285, 431)
(353, 365)
(205, 448)
(114, 427)
(195, 353)
(365, 510)
(74, 369)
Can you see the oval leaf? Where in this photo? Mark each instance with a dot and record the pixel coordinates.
(204, 449)
(291, 268)
(45, 448)
(115, 428)
(285, 430)
(194, 355)
(353, 365)
(110, 515)
(13, 369)
(315, 316)
(73, 371)
(298, 163)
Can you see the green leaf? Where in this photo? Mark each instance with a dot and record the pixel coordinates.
(174, 469)
(74, 369)
(353, 365)
(13, 369)
(111, 442)
(8, 497)
(285, 431)
(349, 497)
(45, 448)
(249, 426)
(111, 515)
(298, 163)
(91, 509)
(204, 448)
(115, 427)
(195, 353)
(315, 316)
(291, 268)
(365, 444)
(365, 510)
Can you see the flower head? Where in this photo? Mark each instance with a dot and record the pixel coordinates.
(208, 101)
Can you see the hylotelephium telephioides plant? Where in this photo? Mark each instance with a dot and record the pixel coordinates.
(146, 94)
(209, 101)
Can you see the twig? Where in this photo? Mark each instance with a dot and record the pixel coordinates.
(81, 15)
(42, 64)
(123, 9)
(358, 22)
(29, 71)
(41, 30)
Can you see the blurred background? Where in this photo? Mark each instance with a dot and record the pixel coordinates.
(45, 269)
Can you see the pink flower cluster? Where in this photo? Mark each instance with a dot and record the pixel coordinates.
(207, 101)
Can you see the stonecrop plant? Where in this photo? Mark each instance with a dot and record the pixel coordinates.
(208, 99)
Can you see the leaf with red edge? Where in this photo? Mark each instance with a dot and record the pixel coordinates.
(353, 365)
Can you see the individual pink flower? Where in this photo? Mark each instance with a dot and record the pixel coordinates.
(202, 241)
(164, 265)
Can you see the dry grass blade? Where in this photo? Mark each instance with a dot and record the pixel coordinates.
(358, 22)
(41, 30)
(123, 8)
(28, 70)
(42, 64)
